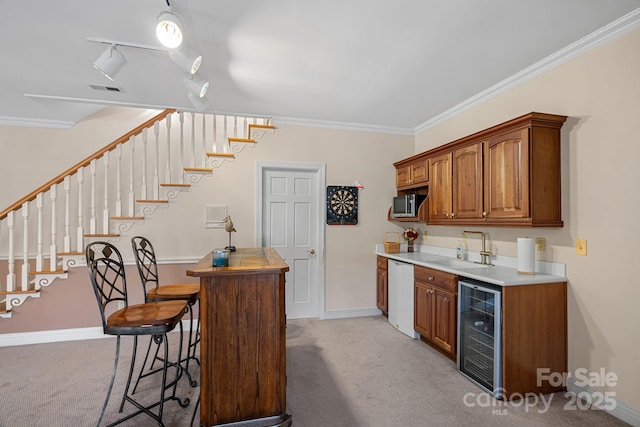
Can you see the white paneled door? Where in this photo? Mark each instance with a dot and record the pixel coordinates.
(291, 221)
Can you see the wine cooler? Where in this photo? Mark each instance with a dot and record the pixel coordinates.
(479, 334)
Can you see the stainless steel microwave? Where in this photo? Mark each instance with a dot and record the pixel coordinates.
(406, 206)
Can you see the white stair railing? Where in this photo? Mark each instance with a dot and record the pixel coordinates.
(123, 163)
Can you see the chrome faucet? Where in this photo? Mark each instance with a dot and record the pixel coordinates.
(484, 253)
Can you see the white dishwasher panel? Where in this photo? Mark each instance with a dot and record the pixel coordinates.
(400, 300)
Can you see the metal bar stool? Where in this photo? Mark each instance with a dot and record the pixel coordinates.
(190, 292)
(155, 319)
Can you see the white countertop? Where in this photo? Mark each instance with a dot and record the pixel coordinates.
(501, 274)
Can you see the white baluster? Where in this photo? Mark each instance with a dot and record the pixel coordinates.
(225, 136)
(80, 229)
(53, 251)
(167, 169)
(204, 141)
(181, 159)
(235, 126)
(156, 178)
(105, 211)
(132, 196)
(193, 140)
(118, 150)
(11, 276)
(216, 149)
(24, 280)
(40, 253)
(67, 215)
(93, 226)
(143, 189)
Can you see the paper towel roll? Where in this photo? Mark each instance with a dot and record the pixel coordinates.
(526, 255)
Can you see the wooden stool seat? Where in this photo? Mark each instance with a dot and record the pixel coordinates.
(183, 291)
(164, 313)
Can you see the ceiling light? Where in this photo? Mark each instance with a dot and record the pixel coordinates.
(201, 104)
(110, 62)
(195, 85)
(169, 29)
(186, 59)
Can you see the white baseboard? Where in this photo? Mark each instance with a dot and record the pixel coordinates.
(40, 337)
(43, 337)
(621, 410)
(344, 314)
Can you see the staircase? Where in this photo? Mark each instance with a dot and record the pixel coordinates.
(44, 234)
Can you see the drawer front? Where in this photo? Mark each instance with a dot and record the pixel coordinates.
(382, 262)
(437, 278)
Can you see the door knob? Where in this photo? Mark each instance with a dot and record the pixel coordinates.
(312, 251)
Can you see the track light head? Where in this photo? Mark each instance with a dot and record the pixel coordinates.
(169, 29)
(200, 104)
(186, 59)
(110, 62)
(195, 85)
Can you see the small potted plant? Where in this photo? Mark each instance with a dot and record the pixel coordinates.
(410, 235)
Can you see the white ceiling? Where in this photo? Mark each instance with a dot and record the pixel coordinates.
(378, 64)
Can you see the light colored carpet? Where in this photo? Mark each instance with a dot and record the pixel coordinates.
(347, 372)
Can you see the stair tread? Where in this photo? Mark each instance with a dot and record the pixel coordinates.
(118, 218)
(252, 125)
(35, 273)
(212, 154)
(175, 185)
(198, 169)
(249, 140)
(70, 253)
(29, 291)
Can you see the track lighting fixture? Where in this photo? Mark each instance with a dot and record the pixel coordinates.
(196, 85)
(186, 59)
(110, 62)
(200, 104)
(169, 29)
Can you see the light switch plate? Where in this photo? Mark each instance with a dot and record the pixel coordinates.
(540, 246)
(581, 247)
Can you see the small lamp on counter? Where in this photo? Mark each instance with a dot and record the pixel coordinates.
(229, 228)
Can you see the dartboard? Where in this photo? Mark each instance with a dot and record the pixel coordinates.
(342, 205)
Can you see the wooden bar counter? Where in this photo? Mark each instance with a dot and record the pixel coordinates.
(243, 342)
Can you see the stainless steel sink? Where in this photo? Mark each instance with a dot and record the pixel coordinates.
(456, 263)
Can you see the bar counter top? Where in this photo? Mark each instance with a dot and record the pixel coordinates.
(243, 260)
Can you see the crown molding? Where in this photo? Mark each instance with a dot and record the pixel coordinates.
(327, 124)
(626, 23)
(36, 123)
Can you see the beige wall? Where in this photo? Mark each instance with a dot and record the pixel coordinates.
(600, 92)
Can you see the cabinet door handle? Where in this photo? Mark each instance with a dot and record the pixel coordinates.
(430, 278)
(312, 251)
(485, 214)
(453, 214)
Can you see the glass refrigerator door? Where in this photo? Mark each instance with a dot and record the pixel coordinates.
(479, 336)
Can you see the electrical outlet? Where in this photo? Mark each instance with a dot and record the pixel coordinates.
(540, 244)
(581, 247)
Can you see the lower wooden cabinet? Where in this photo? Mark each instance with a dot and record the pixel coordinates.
(435, 308)
(382, 286)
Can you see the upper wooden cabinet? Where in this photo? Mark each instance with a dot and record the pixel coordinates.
(507, 175)
(456, 185)
(440, 189)
(411, 173)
